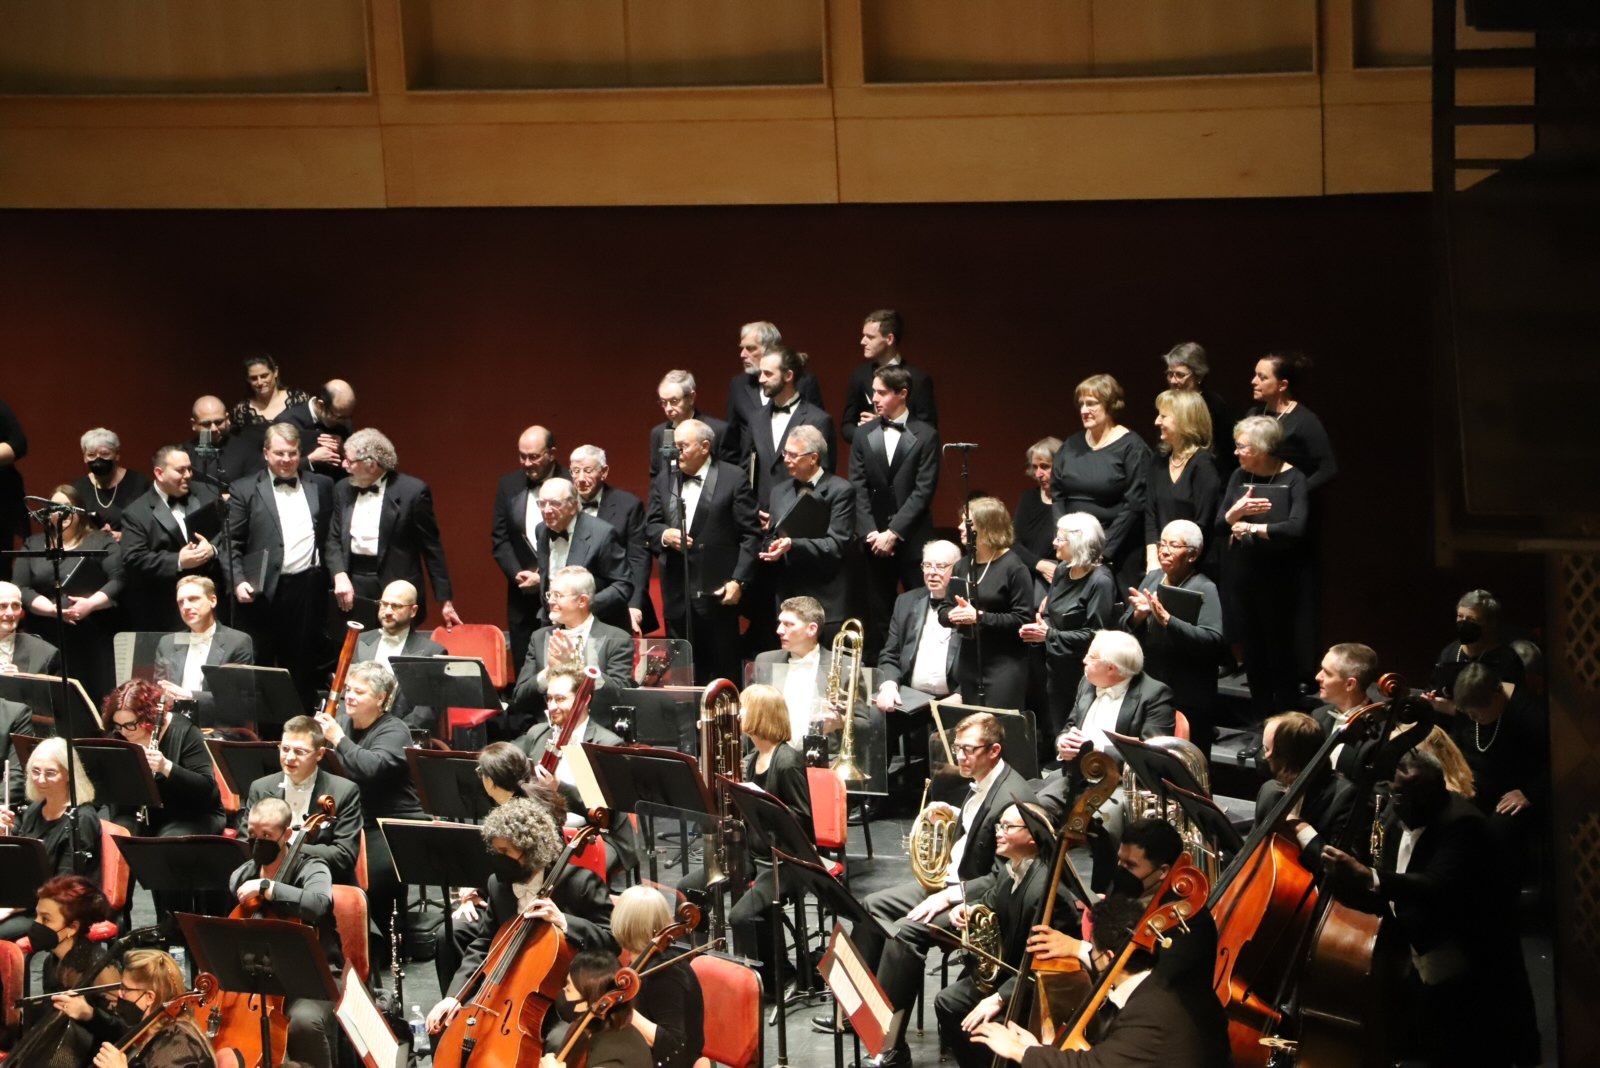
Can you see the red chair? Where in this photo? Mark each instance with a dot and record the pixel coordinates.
(12, 966)
(591, 856)
(350, 916)
(1180, 727)
(830, 818)
(114, 873)
(732, 996)
(488, 643)
(361, 862)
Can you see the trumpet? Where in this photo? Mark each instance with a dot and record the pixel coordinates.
(844, 683)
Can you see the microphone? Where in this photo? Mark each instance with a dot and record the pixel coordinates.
(205, 443)
(47, 505)
(961, 444)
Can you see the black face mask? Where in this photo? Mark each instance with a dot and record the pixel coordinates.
(264, 851)
(1468, 630)
(1127, 884)
(102, 468)
(509, 870)
(128, 1012)
(42, 937)
(564, 1009)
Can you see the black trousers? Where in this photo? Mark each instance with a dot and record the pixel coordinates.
(287, 629)
(950, 1008)
(886, 576)
(715, 641)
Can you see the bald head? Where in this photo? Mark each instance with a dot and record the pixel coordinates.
(536, 452)
(209, 413)
(341, 402)
(397, 608)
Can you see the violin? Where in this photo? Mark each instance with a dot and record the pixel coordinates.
(205, 987)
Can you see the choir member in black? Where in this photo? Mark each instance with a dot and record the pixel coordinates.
(1264, 562)
(1103, 470)
(513, 533)
(181, 658)
(786, 410)
(91, 588)
(677, 396)
(1505, 740)
(568, 538)
(20, 651)
(277, 523)
(1183, 481)
(45, 818)
(1187, 367)
(1466, 1001)
(160, 542)
(881, 334)
(1478, 641)
(372, 747)
(747, 408)
(894, 467)
(303, 781)
(669, 1011)
(819, 567)
(1160, 1018)
(1183, 655)
(107, 488)
(65, 1031)
(1289, 743)
(1078, 604)
(268, 398)
(383, 528)
(601, 500)
(222, 453)
(324, 422)
(1034, 524)
(13, 513)
(151, 979)
(610, 1041)
(1306, 445)
(992, 598)
(185, 777)
(303, 892)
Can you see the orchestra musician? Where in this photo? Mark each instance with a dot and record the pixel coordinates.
(1117, 695)
(613, 1041)
(151, 979)
(574, 640)
(179, 657)
(1345, 675)
(920, 652)
(138, 712)
(15, 718)
(45, 818)
(395, 636)
(513, 530)
(303, 781)
(1478, 641)
(65, 1031)
(806, 664)
(881, 333)
(1289, 743)
(20, 651)
(669, 1011)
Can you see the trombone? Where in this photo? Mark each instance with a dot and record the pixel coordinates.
(844, 685)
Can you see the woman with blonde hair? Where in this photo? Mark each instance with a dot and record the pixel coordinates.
(1183, 481)
(991, 595)
(46, 820)
(1102, 470)
(670, 1008)
(150, 979)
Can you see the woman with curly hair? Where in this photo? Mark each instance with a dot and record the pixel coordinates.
(137, 712)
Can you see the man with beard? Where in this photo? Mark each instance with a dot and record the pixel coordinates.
(746, 405)
(395, 636)
(221, 453)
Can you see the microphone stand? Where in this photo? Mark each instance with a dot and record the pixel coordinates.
(55, 552)
(965, 449)
(669, 453)
(224, 560)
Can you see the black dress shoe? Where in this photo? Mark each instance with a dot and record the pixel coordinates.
(824, 1024)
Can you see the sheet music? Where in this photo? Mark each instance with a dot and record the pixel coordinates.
(368, 1031)
(583, 777)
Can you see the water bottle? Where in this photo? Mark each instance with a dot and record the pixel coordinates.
(181, 955)
(419, 1029)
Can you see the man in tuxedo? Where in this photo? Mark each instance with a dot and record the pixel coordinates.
(383, 528)
(15, 718)
(277, 524)
(568, 538)
(179, 657)
(1290, 742)
(575, 639)
(625, 513)
(397, 610)
(921, 652)
(303, 781)
(26, 653)
(746, 404)
(880, 348)
(163, 537)
(512, 534)
(786, 410)
(678, 399)
(1346, 674)
(222, 453)
(325, 425)
(710, 519)
(1116, 695)
(800, 668)
(818, 566)
(560, 704)
(894, 467)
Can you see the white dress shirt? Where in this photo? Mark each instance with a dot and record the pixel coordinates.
(969, 812)
(390, 646)
(532, 519)
(800, 694)
(891, 437)
(298, 798)
(580, 634)
(364, 520)
(1124, 990)
(560, 548)
(592, 505)
(780, 423)
(1102, 716)
(8, 649)
(299, 535)
(199, 649)
(179, 509)
(692, 485)
(933, 656)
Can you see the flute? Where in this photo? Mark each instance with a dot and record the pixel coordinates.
(82, 991)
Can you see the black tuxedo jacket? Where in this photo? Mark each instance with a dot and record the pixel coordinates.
(1168, 1023)
(35, 656)
(724, 445)
(1018, 906)
(747, 408)
(769, 459)
(303, 417)
(1327, 805)
(253, 523)
(150, 543)
(408, 536)
(593, 544)
(625, 513)
(508, 532)
(1146, 712)
(896, 495)
(818, 567)
(337, 845)
(899, 653)
(422, 717)
(237, 458)
(858, 398)
(578, 893)
(977, 856)
(725, 531)
(609, 648)
(15, 718)
(228, 646)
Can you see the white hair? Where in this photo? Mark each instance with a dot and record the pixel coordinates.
(1086, 538)
(1186, 531)
(588, 452)
(1120, 650)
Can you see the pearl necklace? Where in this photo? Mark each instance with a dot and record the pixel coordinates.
(1477, 734)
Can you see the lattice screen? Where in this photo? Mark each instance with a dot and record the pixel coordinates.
(1580, 580)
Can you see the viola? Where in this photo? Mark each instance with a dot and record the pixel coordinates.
(205, 987)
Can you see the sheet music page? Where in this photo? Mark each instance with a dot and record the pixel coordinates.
(359, 1016)
(583, 776)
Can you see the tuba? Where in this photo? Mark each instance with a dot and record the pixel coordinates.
(1144, 802)
(933, 838)
(844, 681)
(720, 754)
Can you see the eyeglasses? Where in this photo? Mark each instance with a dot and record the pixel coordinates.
(394, 605)
(295, 750)
(211, 422)
(930, 566)
(1177, 546)
(1017, 826)
(126, 727)
(968, 750)
(790, 454)
(44, 774)
(559, 595)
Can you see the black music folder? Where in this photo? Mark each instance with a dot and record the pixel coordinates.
(807, 517)
(1273, 493)
(1183, 604)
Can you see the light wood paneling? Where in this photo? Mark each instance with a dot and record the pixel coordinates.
(1399, 33)
(725, 42)
(974, 40)
(183, 46)
(1161, 38)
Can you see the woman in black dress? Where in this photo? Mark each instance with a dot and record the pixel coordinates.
(108, 488)
(1306, 444)
(612, 1042)
(1183, 482)
(91, 586)
(151, 979)
(186, 779)
(268, 400)
(1102, 471)
(1034, 525)
(1263, 562)
(669, 1011)
(1477, 642)
(991, 597)
(45, 819)
(1078, 605)
(1187, 367)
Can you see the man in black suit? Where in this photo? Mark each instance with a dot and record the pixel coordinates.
(15, 718)
(277, 524)
(395, 636)
(163, 537)
(1346, 674)
(325, 426)
(179, 657)
(303, 781)
(222, 454)
(625, 513)
(894, 467)
(818, 566)
(880, 348)
(711, 518)
(1290, 742)
(574, 640)
(785, 410)
(568, 538)
(27, 653)
(512, 534)
(746, 405)
(677, 396)
(1116, 695)
(921, 652)
(383, 528)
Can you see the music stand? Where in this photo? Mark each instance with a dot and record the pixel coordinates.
(448, 784)
(437, 854)
(183, 864)
(273, 958)
(120, 771)
(24, 867)
(445, 681)
(663, 715)
(1207, 815)
(1019, 737)
(63, 700)
(242, 763)
(248, 695)
(1154, 766)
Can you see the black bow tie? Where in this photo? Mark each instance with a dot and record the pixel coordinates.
(174, 501)
(785, 409)
(374, 488)
(885, 422)
(290, 482)
(558, 535)
(697, 479)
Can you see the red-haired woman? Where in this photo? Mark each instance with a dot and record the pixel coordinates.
(137, 712)
(65, 1031)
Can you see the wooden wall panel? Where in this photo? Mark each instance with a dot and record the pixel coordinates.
(725, 42)
(1159, 38)
(974, 40)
